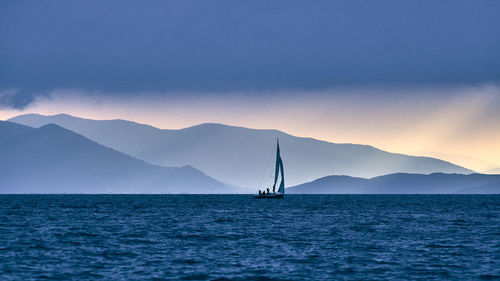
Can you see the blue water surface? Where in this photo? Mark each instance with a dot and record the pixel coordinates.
(236, 237)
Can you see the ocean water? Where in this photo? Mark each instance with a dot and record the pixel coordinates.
(236, 237)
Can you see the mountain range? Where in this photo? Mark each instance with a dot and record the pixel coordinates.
(240, 156)
(401, 183)
(52, 159)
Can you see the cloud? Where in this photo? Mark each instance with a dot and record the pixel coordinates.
(17, 99)
(222, 47)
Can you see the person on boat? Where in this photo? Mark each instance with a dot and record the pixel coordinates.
(274, 188)
(268, 190)
(260, 193)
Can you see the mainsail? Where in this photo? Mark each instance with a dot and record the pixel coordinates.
(278, 170)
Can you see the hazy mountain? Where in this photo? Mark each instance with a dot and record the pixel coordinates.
(489, 188)
(495, 170)
(239, 155)
(401, 183)
(9, 130)
(52, 159)
(476, 164)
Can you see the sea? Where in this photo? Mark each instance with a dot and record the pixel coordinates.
(237, 237)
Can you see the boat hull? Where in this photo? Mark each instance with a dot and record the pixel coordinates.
(269, 196)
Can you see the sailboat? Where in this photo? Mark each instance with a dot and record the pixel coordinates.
(271, 193)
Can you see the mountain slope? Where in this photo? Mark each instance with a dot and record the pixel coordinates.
(9, 130)
(52, 159)
(239, 155)
(401, 183)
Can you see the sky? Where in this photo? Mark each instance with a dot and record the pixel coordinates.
(416, 77)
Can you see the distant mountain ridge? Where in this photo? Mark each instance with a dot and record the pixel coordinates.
(401, 183)
(492, 171)
(52, 159)
(237, 155)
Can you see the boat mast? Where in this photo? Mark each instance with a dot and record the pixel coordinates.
(278, 169)
(282, 183)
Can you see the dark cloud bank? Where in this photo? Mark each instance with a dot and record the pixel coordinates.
(222, 46)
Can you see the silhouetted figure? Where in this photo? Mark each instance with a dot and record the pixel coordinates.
(274, 188)
(268, 190)
(260, 193)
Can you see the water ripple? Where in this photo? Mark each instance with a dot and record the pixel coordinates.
(234, 237)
